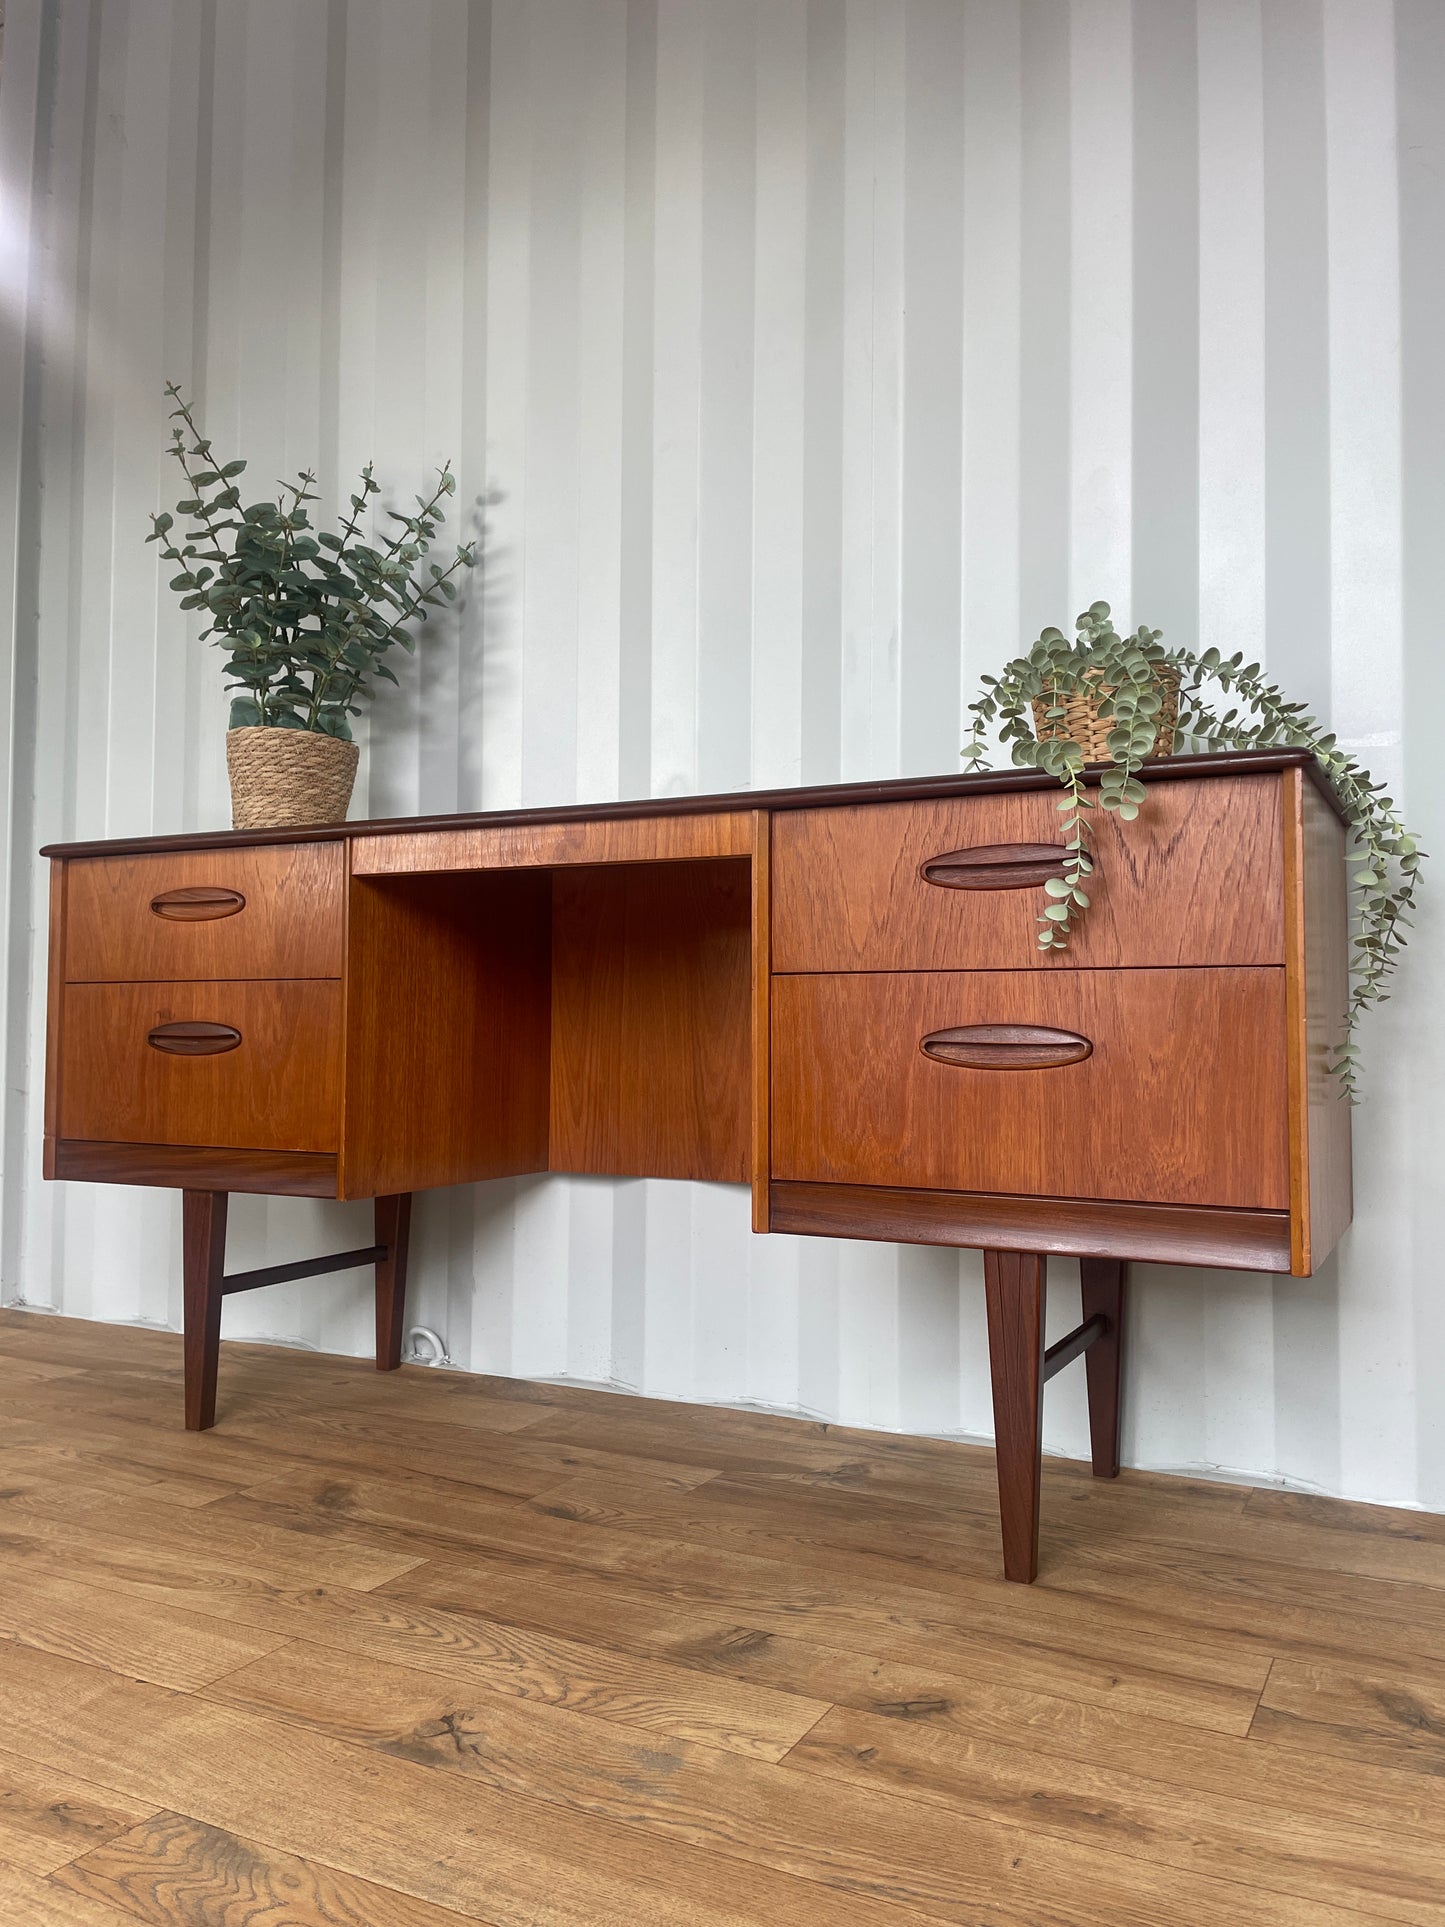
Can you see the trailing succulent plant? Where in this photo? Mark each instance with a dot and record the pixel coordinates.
(305, 619)
(1132, 681)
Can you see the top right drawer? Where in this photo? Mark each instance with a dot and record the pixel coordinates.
(957, 883)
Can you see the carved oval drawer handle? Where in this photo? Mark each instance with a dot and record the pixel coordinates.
(191, 1039)
(996, 866)
(1006, 1047)
(196, 903)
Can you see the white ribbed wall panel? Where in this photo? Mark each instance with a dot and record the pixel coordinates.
(808, 356)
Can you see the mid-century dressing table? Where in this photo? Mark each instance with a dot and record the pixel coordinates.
(835, 995)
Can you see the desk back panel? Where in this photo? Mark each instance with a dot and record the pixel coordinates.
(447, 1030)
(651, 993)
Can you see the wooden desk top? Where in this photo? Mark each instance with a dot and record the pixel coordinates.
(894, 790)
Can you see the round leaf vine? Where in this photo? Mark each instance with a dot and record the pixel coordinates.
(1119, 675)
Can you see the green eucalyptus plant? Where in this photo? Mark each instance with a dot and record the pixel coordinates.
(305, 620)
(1120, 677)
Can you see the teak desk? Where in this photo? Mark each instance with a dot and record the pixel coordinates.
(835, 995)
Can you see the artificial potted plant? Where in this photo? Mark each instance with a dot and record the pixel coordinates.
(305, 620)
(1115, 701)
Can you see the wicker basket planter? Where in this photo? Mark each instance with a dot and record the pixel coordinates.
(1083, 724)
(285, 776)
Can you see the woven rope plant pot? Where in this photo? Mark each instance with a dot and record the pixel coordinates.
(285, 776)
(1083, 724)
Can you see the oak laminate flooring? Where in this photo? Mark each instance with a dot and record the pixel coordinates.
(1369, 1713)
(284, 1550)
(845, 1603)
(421, 1648)
(143, 1640)
(860, 1601)
(941, 1533)
(299, 1433)
(20, 1371)
(47, 1818)
(512, 1463)
(1288, 1607)
(172, 1868)
(145, 1434)
(30, 1900)
(760, 1722)
(759, 1639)
(853, 1843)
(1184, 1592)
(1341, 1515)
(39, 1470)
(486, 1854)
(1377, 1870)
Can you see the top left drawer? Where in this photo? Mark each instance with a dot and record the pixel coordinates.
(274, 911)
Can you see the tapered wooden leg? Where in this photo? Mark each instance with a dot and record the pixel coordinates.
(1103, 1291)
(1014, 1291)
(393, 1230)
(203, 1233)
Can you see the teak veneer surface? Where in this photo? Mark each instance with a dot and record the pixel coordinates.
(286, 1174)
(278, 1090)
(1072, 1227)
(447, 1003)
(1318, 980)
(291, 923)
(895, 790)
(542, 844)
(1187, 1070)
(796, 1689)
(651, 996)
(1195, 880)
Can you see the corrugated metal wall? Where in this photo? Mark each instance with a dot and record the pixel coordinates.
(808, 354)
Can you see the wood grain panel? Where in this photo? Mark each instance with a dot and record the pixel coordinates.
(289, 1174)
(145, 1638)
(291, 925)
(278, 1091)
(446, 1032)
(1079, 1750)
(994, 782)
(46, 1818)
(457, 1843)
(225, 1881)
(1195, 880)
(1070, 1227)
(483, 1657)
(1317, 989)
(54, 1007)
(1373, 1713)
(651, 1000)
(883, 1852)
(1182, 1100)
(647, 839)
(762, 1018)
(1179, 1832)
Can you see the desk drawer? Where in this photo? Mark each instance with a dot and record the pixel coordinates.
(1159, 1086)
(246, 1065)
(1196, 879)
(273, 912)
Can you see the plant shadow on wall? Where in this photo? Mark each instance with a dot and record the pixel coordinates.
(1115, 702)
(306, 618)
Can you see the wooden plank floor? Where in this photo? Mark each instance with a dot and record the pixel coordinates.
(414, 1650)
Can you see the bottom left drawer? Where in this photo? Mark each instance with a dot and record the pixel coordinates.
(244, 1065)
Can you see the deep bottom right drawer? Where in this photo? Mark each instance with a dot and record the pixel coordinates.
(1158, 1086)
